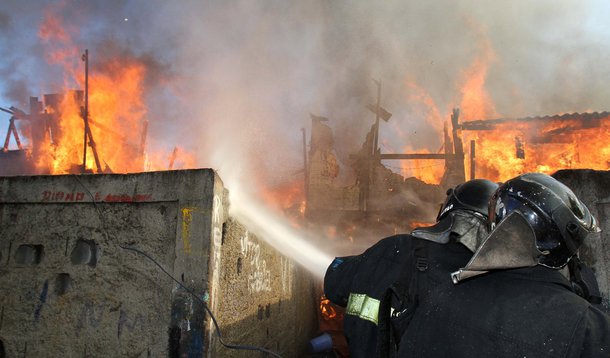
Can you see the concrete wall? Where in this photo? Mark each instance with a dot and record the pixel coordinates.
(266, 300)
(593, 188)
(70, 288)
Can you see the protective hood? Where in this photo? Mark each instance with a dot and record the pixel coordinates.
(511, 245)
(469, 228)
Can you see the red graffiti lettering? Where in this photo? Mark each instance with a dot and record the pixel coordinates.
(52, 196)
(62, 196)
(125, 198)
(48, 195)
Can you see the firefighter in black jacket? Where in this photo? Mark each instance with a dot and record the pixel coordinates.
(382, 287)
(511, 299)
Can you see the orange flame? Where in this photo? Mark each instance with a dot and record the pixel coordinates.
(515, 148)
(117, 112)
(116, 121)
(286, 195)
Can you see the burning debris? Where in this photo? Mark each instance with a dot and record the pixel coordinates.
(380, 202)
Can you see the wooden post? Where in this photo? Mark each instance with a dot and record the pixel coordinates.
(472, 159)
(458, 145)
(85, 58)
(373, 156)
(305, 166)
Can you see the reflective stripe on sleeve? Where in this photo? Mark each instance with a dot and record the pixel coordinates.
(363, 306)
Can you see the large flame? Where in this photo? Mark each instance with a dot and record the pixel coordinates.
(510, 148)
(117, 112)
(518, 147)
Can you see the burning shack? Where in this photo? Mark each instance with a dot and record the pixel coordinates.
(505, 147)
(54, 138)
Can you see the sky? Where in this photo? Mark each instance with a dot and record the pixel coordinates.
(235, 81)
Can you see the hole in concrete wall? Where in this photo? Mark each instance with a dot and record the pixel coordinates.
(267, 332)
(259, 314)
(224, 232)
(268, 310)
(2, 352)
(63, 283)
(239, 263)
(85, 252)
(182, 277)
(29, 254)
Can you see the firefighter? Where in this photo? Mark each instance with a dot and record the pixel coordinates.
(382, 287)
(511, 300)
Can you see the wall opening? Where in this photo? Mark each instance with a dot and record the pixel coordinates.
(29, 254)
(63, 283)
(85, 252)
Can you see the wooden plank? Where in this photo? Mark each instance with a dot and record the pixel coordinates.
(418, 156)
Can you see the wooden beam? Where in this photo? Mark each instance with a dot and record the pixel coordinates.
(418, 156)
(591, 120)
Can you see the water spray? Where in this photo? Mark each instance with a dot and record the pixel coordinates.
(277, 232)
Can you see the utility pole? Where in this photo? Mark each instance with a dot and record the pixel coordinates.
(85, 58)
(85, 114)
(372, 159)
(305, 167)
(377, 106)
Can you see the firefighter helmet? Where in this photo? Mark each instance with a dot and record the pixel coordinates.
(472, 195)
(463, 215)
(559, 221)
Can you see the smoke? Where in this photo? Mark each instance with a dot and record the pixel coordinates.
(234, 81)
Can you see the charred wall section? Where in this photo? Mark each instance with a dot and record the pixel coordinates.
(72, 285)
(593, 188)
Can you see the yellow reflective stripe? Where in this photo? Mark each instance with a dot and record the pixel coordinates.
(363, 306)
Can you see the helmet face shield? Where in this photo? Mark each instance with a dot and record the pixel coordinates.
(510, 245)
(558, 219)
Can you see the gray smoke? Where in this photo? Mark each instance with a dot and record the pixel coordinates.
(235, 81)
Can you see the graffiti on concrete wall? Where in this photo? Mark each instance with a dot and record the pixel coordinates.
(61, 196)
(92, 314)
(130, 322)
(187, 218)
(58, 196)
(259, 278)
(216, 243)
(286, 276)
